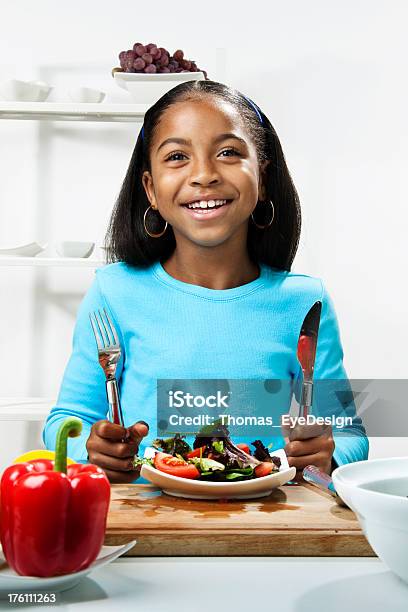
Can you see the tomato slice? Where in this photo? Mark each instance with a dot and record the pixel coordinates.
(244, 447)
(196, 452)
(263, 469)
(175, 466)
(306, 351)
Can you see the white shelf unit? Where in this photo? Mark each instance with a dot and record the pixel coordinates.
(71, 111)
(37, 408)
(51, 262)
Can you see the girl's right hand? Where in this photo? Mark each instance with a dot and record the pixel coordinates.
(113, 448)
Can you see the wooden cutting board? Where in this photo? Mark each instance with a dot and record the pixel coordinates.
(295, 520)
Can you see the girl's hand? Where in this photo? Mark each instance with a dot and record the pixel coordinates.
(106, 449)
(302, 449)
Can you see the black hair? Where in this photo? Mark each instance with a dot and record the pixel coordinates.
(126, 239)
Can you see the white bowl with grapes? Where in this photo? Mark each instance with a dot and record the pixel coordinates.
(147, 72)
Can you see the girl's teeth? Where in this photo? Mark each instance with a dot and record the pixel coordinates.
(204, 204)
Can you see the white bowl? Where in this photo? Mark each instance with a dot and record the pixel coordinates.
(377, 491)
(71, 248)
(24, 91)
(201, 489)
(86, 94)
(148, 88)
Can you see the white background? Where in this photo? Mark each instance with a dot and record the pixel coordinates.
(332, 79)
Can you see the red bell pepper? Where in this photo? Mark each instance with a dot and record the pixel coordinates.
(53, 518)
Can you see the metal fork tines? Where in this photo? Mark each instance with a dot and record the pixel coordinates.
(109, 353)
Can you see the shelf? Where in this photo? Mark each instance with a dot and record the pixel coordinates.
(25, 409)
(71, 111)
(51, 262)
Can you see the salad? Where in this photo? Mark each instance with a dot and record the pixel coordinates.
(214, 457)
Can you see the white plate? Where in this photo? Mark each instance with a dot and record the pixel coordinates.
(10, 582)
(200, 489)
(25, 250)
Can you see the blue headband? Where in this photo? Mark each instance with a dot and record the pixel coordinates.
(256, 109)
(252, 104)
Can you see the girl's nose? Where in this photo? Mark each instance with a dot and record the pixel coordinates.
(204, 173)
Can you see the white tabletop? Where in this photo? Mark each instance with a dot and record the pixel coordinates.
(235, 584)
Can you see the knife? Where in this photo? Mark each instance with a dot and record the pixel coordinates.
(306, 354)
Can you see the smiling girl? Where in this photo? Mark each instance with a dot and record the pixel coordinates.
(201, 244)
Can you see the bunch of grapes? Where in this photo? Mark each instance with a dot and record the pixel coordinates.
(153, 59)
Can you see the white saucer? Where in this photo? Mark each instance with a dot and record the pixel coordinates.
(10, 582)
(25, 250)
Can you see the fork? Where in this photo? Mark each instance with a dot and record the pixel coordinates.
(109, 353)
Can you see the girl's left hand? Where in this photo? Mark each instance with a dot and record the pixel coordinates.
(316, 451)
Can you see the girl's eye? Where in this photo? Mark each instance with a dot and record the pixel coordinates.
(178, 155)
(174, 156)
(233, 151)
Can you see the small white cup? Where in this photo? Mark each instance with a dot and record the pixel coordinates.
(72, 248)
(86, 94)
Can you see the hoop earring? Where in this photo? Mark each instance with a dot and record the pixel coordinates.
(270, 222)
(144, 224)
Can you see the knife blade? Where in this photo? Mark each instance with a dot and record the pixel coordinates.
(306, 354)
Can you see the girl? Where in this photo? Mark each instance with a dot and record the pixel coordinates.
(201, 244)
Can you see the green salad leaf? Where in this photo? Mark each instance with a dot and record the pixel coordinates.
(207, 465)
(239, 474)
(218, 445)
(139, 461)
(172, 446)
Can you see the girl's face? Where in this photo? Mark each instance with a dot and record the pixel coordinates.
(202, 152)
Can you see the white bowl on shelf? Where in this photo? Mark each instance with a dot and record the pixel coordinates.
(148, 88)
(73, 248)
(14, 90)
(377, 491)
(25, 250)
(86, 94)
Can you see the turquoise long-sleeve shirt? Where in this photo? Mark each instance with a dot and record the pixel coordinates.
(169, 329)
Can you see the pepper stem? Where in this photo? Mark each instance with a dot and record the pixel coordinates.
(72, 427)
